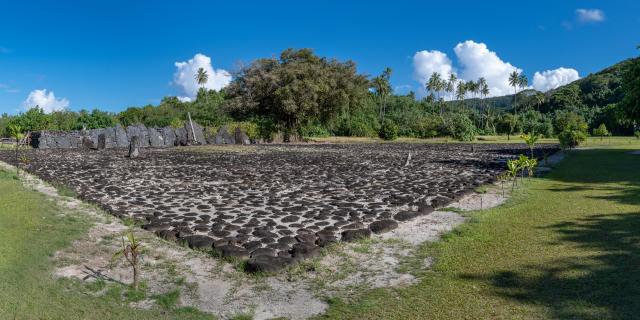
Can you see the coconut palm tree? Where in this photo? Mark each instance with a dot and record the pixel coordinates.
(382, 86)
(202, 77)
(523, 82)
(461, 91)
(514, 81)
(451, 85)
(435, 85)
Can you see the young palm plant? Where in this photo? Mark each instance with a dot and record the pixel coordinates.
(530, 139)
(132, 252)
(16, 132)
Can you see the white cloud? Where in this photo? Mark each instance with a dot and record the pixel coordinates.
(551, 79)
(478, 61)
(590, 15)
(45, 100)
(186, 71)
(425, 63)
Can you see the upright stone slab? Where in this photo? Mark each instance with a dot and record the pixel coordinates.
(39, 140)
(156, 138)
(87, 143)
(134, 147)
(140, 131)
(102, 141)
(181, 137)
(169, 136)
(197, 130)
(121, 140)
(241, 137)
(223, 136)
(62, 141)
(110, 137)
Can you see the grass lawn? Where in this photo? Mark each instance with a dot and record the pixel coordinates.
(31, 230)
(566, 246)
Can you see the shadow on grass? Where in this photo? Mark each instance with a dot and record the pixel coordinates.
(600, 286)
(599, 278)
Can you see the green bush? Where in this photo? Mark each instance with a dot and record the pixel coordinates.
(601, 131)
(248, 127)
(460, 127)
(637, 134)
(571, 138)
(389, 130)
(314, 130)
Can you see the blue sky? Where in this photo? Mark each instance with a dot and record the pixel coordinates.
(116, 54)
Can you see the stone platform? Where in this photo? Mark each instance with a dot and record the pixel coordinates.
(274, 204)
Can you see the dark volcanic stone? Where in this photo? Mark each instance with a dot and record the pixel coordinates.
(233, 251)
(304, 250)
(406, 215)
(383, 226)
(353, 235)
(267, 264)
(198, 241)
(263, 252)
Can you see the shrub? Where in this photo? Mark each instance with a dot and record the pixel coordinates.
(601, 131)
(571, 138)
(314, 131)
(637, 134)
(389, 130)
(176, 123)
(250, 128)
(461, 128)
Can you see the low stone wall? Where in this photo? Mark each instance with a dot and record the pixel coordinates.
(120, 137)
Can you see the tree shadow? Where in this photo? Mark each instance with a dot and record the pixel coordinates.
(597, 286)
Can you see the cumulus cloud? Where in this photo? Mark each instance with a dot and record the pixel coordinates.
(478, 61)
(186, 71)
(590, 15)
(45, 100)
(425, 63)
(551, 79)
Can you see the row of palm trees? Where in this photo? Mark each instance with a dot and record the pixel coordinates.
(459, 89)
(456, 89)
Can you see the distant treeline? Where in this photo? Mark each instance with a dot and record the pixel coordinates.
(301, 94)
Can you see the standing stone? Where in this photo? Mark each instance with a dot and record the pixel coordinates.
(102, 141)
(181, 137)
(140, 131)
(197, 130)
(87, 143)
(241, 137)
(134, 146)
(223, 136)
(156, 138)
(169, 136)
(121, 140)
(110, 137)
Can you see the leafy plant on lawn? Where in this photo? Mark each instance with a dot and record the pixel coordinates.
(132, 252)
(530, 139)
(15, 131)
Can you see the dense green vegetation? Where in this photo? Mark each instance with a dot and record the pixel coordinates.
(564, 247)
(301, 94)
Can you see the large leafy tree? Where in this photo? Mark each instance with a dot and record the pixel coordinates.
(297, 89)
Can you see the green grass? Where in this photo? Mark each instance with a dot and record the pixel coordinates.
(566, 246)
(31, 230)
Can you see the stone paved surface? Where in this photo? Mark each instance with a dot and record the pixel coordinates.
(274, 204)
